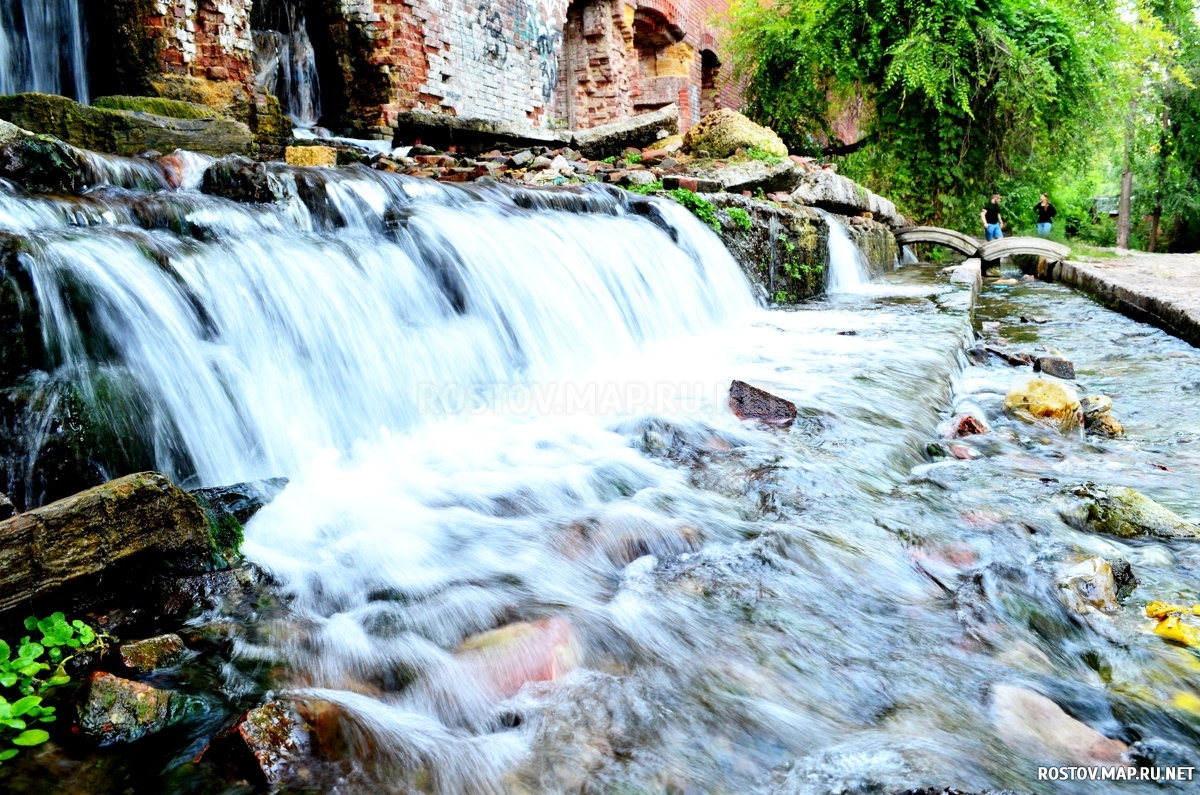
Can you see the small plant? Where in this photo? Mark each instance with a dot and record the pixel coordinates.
(760, 194)
(654, 186)
(740, 218)
(754, 153)
(701, 208)
(610, 159)
(633, 158)
(38, 666)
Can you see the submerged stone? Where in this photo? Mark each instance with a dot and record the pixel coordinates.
(1036, 727)
(1127, 513)
(505, 659)
(751, 403)
(151, 654)
(1091, 584)
(1055, 366)
(119, 710)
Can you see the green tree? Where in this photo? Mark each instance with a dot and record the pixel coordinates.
(960, 97)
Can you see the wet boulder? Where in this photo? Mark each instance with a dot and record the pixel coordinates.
(1036, 727)
(151, 654)
(1124, 512)
(39, 163)
(1090, 585)
(1045, 400)
(751, 403)
(310, 156)
(138, 523)
(118, 710)
(267, 745)
(1097, 416)
(505, 659)
(241, 179)
(831, 191)
(1055, 366)
(724, 131)
(962, 425)
(639, 131)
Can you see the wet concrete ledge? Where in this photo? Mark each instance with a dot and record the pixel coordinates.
(1160, 289)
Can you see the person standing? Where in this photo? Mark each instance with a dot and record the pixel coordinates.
(1045, 216)
(993, 223)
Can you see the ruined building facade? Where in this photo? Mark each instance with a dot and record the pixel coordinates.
(540, 63)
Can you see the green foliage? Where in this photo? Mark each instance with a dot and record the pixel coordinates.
(940, 100)
(158, 106)
(754, 153)
(701, 208)
(653, 187)
(740, 218)
(37, 666)
(633, 158)
(610, 159)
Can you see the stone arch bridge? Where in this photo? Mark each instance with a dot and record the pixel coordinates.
(990, 253)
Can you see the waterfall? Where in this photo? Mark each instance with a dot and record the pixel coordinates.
(848, 270)
(264, 335)
(43, 48)
(286, 65)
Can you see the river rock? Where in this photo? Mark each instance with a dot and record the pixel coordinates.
(1104, 424)
(270, 740)
(1127, 513)
(641, 177)
(1092, 405)
(136, 523)
(241, 179)
(125, 132)
(505, 659)
(1090, 584)
(962, 425)
(724, 131)
(151, 654)
(1044, 400)
(119, 710)
(39, 163)
(1036, 727)
(1055, 366)
(755, 175)
(310, 156)
(751, 403)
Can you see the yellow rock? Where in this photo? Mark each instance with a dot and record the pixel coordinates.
(1173, 628)
(1044, 400)
(310, 156)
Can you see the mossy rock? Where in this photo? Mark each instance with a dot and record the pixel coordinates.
(121, 132)
(158, 106)
(1127, 513)
(724, 131)
(38, 163)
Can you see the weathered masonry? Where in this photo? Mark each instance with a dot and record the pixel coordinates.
(539, 63)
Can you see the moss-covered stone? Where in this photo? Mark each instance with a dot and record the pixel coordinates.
(1127, 513)
(261, 113)
(157, 106)
(724, 131)
(151, 654)
(38, 163)
(121, 132)
(118, 710)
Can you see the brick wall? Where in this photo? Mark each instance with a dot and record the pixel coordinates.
(207, 39)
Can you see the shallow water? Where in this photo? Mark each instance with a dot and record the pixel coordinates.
(540, 443)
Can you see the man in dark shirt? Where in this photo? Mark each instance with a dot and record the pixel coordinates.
(1045, 215)
(992, 222)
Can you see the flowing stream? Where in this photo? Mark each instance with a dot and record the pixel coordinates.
(504, 412)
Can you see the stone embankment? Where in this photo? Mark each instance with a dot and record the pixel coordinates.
(1160, 289)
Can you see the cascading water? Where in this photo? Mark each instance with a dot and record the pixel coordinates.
(848, 269)
(43, 48)
(286, 65)
(527, 548)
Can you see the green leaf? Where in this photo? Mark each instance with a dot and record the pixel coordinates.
(8, 753)
(24, 705)
(8, 679)
(55, 681)
(32, 669)
(5, 650)
(31, 650)
(13, 723)
(87, 634)
(31, 737)
(31, 622)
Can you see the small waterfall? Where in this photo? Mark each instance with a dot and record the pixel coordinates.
(848, 271)
(286, 65)
(43, 48)
(261, 335)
